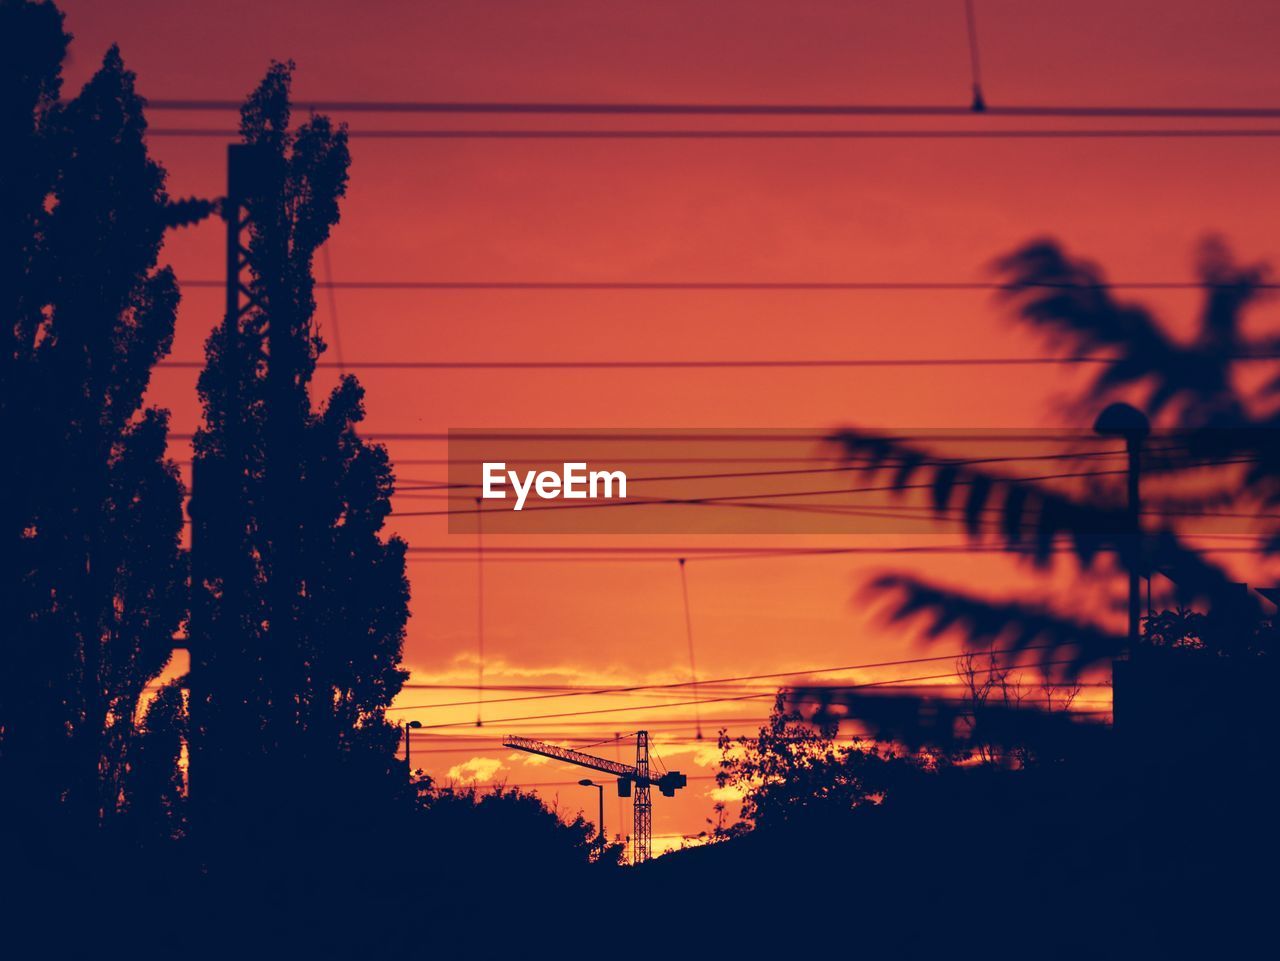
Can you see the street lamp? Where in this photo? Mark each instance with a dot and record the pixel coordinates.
(587, 782)
(409, 726)
(1124, 420)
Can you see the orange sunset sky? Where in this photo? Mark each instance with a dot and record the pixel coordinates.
(697, 210)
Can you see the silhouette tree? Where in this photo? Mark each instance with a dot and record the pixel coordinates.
(475, 829)
(32, 46)
(793, 771)
(93, 573)
(154, 786)
(301, 603)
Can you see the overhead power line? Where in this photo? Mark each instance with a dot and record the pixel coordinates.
(854, 465)
(719, 553)
(710, 700)
(688, 551)
(703, 364)
(730, 556)
(740, 500)
(713, 435)
(588, 689)
(848, 465)
(460, 784)
(736, 679)
(675, 553)
(735, 285)
(598, 108)
(1032, 133)
(673, 729)
(743, 500)
(702, 460)
(569, 555)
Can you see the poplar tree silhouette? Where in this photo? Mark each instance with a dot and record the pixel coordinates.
(92, 576)
(300, 611)
(154, 791)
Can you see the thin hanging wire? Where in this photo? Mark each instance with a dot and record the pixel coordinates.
(333, 306)
(479, 616)
(979, 103)
(607, 740)
(662, 765)
(693, 668)
(333, 300)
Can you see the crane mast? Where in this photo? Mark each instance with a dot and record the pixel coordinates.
(642, 806)
(638, 776)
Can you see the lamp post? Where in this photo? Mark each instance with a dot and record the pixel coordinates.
(409, 726)
(587, 782)
(1123, 420)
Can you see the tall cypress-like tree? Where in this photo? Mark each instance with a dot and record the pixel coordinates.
(301, 602)
(93, 571)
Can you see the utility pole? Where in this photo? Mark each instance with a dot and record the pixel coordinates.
(1126, 421)
(409, 727)
(1133, 447)
(587, 782)
(218, 480)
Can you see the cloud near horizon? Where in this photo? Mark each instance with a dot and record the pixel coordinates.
(477, 769)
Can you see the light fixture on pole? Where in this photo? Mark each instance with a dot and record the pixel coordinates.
(587, 782)
(1124, 420)
(409, 726)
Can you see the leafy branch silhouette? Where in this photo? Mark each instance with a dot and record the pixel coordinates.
(1188, 388)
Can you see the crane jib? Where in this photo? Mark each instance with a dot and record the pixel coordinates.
(627, 774)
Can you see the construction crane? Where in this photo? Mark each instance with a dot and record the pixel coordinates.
(633, 781)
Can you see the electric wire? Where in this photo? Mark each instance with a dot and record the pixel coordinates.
(588, 108)
(820, 134)
(707, 364)
(750, 285)
(688, 623)
(805, 672)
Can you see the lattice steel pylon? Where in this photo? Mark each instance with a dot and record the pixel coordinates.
(642, 833)
(215, 478)
(638, 777)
